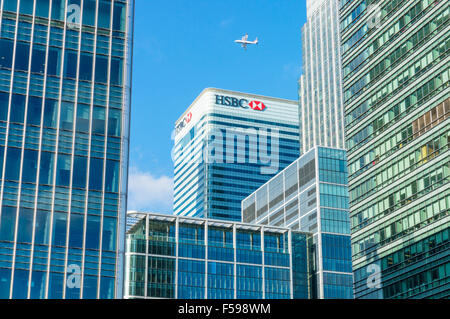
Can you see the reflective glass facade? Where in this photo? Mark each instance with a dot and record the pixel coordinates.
(321, 110)
(195, 258)
(227, 144)
(311, 195)
(64, 112)
(397, 115)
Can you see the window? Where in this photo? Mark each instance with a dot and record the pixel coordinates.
(6, 52)
(29, 166)
(46, 168)
(79, 172)
(17, 108)
(22, 54)
(34, 110)
(13, 159)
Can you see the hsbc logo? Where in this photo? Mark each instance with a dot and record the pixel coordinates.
(240, 103)
(184, 122)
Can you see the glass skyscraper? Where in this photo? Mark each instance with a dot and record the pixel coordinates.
(320, 88)
(227, 144)
(65, 69)
(397, 115)
(194, 258)
(311, 195)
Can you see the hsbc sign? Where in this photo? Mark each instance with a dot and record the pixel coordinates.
(184, 122)
(240, 103)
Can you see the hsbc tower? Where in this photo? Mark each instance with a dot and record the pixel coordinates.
(228, 144)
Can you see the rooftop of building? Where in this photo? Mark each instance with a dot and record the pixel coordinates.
(201, 221)
(250, 95)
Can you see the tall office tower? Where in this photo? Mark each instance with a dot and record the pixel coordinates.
(196, 258)
(227, 144)
(320, 88)
(397, 115)
(311, 195)
(65, 69)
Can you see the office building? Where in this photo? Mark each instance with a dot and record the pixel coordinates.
(193, 258)
(321, 113)
(227, 144)
(311, 195)
(65, 69)
(397, 120)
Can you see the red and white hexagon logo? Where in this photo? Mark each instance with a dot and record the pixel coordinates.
(188, 117)
(257, 105)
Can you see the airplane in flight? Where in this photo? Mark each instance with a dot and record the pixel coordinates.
(244, 41)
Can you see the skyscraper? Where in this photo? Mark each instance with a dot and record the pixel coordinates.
(227, 144)
(320, 88)
(311, 195)
(65, 68)
(397, 116)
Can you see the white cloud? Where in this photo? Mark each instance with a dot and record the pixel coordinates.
(147, 192)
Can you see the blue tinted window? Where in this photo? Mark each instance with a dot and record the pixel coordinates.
(5, 282)
(112, 176)
(7, 223)
(109, 234)
(10, 5)
(93, 232)
(95, 174)
(63, 170)
(104, 13)
(20, 287)
(17, 108)
(54, 55)
(116, 71)
(34, 110)
(38, 283)
(70, 64)
(6, 53)
(4, 102)
(85, 66)
(22, 55)
(12, 170)
(114, 122)
(38, 59)
(59, 229)
(98, 121)
(89, 7)
(55, 289)
(25, 225)
(58, 8)
(83, 111)
(89, 287)
(79, 172)
(46, 168)
(50, 113)
(106, 288)
(76, 231)
(42, 229)
(119, 18)
(29, 166)
(101, 69)
(66, 121)
(42, 7)
(26, 6)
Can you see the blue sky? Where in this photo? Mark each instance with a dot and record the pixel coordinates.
(184, 46)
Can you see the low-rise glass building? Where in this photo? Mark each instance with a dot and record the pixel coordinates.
(311, 195)
(171, 256)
